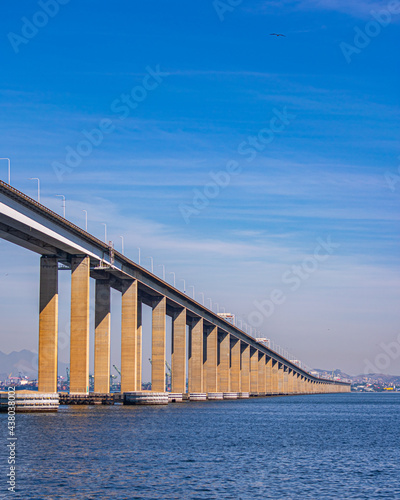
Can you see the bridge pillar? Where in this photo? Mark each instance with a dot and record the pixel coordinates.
(158, 345)
(280, 378)
(290, 381)
(235, 365)
(285, 379)
(79, 343)
(224, 362)
(102, 337)
(196, 356)
(261, 374)
(253, 371)
(275, 377)
(268, 376)
(245, 367)
(211, 364)
(48, 325)
(130, 321)
(178, 356)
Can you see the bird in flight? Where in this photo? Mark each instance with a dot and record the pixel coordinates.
(277, 34)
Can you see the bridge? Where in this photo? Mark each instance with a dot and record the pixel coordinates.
(223, 361)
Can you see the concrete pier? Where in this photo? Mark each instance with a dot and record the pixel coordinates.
(79, 343)
(178, 356)
(48, 325)
(158, 345)
(129, 336)
(102, 337)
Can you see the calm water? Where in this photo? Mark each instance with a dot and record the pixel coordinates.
(304, 447)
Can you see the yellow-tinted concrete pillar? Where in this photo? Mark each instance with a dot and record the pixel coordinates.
(261, 373)
(268, 375)
(253, 371)
(79, 344)
(139, 346)
(196, 356)
(158, 345)
(280, 378)
(129, 328)
(275, 377)
(235, 365)
(102, 320)
(178, 356)
(48, 325)
(245, 367)
(290, 381)
(224, 362)
(211, 364)
(285, 380)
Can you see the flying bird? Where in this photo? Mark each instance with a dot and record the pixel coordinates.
(277, 34)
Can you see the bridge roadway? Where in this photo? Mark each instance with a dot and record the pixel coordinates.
(222, 359)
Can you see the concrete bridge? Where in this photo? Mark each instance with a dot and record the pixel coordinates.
(223, 361)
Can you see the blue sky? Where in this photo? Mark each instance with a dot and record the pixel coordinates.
(320, 173)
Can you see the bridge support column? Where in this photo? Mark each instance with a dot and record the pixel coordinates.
(178, 357)
(290, 381)
(285, 380)
(261, 373)
(275, 377)
(211, 364)
(268, 375)
(158, 345)
(235, 365)
(79, 343)
(196, 382)
(224, 362)
(245, 367)
(48, 325)
(253, 371)
(280, 378)
(130, 321)
(102, 338)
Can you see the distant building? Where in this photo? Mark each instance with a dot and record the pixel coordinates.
(228, 317)
(264, 341)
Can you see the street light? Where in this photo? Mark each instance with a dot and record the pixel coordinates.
(163, 270)
(105, 231)
(152, 264)
(139, 255)
(191, 286)
(9, 169)
(38, 186)
(208, 298)
(171, 272)
(63, 203)
(217, 307)
(85, 211)
(122, 245)
(184, 285)
(202, 297)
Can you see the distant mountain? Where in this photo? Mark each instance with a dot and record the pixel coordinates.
(372, 378)
(23, 362)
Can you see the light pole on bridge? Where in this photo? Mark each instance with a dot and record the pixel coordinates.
(9, 169)
(105, 231)
(184, 285)
(63, 203)
(173, 274)
(122, 244)
(38, 186)
(163, 270)
(138, 255)
(152, 263)
(85, 212)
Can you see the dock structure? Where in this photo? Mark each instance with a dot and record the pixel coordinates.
(224, 362)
